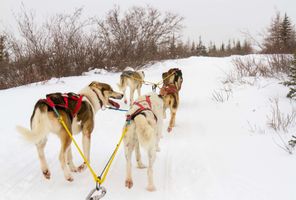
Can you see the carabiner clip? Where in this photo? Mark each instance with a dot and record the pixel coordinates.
(93, 196)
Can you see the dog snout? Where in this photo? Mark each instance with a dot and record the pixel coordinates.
(117, 96)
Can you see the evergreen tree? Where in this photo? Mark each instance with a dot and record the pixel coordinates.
(286, 33)
(201, 48)
(172, 48)
(222, 48)
(238, 47)
(272, 41)
(193, 49)
(247, 48)
(1, 48)
(280, 36)
(229, 48)
(292, 82)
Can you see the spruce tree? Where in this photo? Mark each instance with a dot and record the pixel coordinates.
(286, 31)
(201, 48)
(292, 82)
(272, 41)
(172, 47)
(238, 47)
(1, 48)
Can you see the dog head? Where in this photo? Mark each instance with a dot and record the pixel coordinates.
(104, 92)
(173, 76)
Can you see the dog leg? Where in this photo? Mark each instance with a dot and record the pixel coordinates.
(40, 148)
(159, 134)
(132, 91)
(138, 156)
(151, 156)
(173, 118)
(128, 149)
(65, 144)
(164, 112)
(124, 96)
(139, 90)
(86, 148)
(71, 165)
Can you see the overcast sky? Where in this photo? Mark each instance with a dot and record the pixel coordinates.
(213, 20)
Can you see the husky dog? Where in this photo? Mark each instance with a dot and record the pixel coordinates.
(172, 83)
(144, 126)
(77, 111)
(132, 79)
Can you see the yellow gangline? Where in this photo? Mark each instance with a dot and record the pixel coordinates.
(96, 178)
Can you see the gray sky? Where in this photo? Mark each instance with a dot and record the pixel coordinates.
(213, 20)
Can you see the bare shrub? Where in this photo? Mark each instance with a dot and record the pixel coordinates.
(67, 45)
(136, 36)
(278, 120)
(53, 49)
(266, 66)
(222, 95)
(251, 66)
(279, 63)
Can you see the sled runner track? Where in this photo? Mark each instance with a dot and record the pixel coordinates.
(168, 170)
(17, 181)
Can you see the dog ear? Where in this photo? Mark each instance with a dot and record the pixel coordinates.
(164, 75)
(93, 84)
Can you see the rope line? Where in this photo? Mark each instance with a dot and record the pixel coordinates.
(150, 82)
(98, 179)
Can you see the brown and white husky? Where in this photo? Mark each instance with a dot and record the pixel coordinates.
(78, 112)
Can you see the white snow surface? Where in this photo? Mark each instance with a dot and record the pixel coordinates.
(217, 151)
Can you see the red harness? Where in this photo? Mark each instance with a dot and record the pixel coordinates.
(66, 97)
(140, 109)
(168, 89)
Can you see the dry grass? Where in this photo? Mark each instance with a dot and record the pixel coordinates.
(278, 120)
(222, 95)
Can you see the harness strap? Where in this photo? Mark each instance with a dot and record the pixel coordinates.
(141, 109)
(148, 101)
(78, 105)
(66, 100)
(74, 112)
(168, 89)
(50, 102)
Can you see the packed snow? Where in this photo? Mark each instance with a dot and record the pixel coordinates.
(219, 150)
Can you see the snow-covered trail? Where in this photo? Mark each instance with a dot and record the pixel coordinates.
(210, 155)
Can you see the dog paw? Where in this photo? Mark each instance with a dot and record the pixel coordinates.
(73, 168)
(129, 183)
(151, 188)
(141, 166)
(70, 179)
(170, 129)
(82, 167)
(157, 149)
(46, 174)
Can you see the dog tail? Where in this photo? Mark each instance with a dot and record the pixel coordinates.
(39, 127)
(144, 131)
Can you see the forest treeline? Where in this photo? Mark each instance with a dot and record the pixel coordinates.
(67, 44)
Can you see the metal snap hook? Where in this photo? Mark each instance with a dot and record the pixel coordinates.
(101, 191)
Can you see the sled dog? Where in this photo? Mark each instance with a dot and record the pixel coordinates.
(78, 112)
(172, 83)
(133, 80)
(144, 125)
